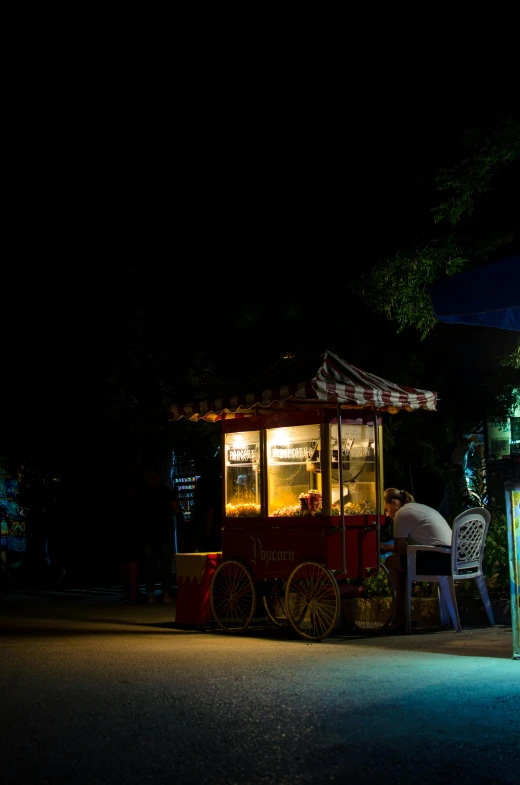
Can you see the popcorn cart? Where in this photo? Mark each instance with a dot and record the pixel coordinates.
(303, 489)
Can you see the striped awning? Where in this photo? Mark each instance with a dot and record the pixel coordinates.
(325, 383)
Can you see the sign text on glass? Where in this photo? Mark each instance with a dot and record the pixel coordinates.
(296, 453)
(245, 455)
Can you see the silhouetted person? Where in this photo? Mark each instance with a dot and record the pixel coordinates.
(129, 543)
(206, 512)
(158, 505)
(36, 508)
(6, 528)
(61, 523)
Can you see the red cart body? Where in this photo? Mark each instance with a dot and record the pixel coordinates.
(274, 551)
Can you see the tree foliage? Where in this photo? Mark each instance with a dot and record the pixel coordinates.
(490, 153)
(398, 286)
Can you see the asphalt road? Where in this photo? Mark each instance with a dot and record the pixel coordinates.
(97, 691)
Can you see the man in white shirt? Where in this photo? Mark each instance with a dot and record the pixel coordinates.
(414, 524)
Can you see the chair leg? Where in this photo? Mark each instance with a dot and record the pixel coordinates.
(409, 584)
(447, 588)
(481, 583)
(444, 611)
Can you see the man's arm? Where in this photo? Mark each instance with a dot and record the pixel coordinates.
(400, 545)
(393, 562)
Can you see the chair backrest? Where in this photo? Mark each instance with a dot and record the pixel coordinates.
(469, 538)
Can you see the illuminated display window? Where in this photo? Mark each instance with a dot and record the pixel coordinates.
(359, 479)
(293, 470)
(243, 474)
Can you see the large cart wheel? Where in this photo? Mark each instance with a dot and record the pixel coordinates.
(369, 605)
(312, 600)
(232, 596)
(274, 602)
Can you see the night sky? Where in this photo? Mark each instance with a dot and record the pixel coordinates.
(256, 213)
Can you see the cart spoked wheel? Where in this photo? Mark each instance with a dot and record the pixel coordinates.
(312, 600)
(232, 596)
(369, 605)
(274, 603)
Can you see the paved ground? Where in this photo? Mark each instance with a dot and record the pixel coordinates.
(80, 609)
(94, 690)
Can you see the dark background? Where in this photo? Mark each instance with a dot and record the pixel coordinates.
(220, 232)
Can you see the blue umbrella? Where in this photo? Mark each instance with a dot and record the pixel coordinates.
(487, 296)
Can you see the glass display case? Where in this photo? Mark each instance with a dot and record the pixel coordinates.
(287, 483)
(242, 474)
(293, 470)
(358, 476)
(297, 470)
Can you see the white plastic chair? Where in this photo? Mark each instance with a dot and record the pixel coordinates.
(467, 549)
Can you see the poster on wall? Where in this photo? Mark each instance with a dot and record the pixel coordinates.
(16, 545)
(17, 528)
(12, 525)
(11, 488)
(13, 510)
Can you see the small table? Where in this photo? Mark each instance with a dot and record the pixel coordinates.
(194, 574)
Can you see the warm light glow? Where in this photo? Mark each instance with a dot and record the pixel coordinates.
(282, 438)
(239, 442)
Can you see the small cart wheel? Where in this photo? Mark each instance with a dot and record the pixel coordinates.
(373, 608)
(232, 596)
(312, 600)
(274, 603)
